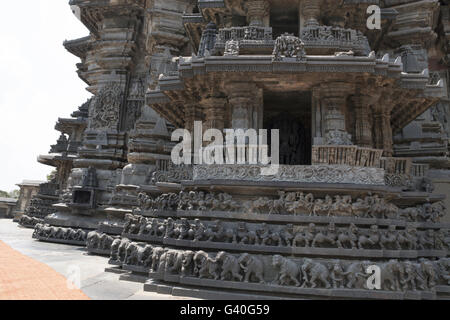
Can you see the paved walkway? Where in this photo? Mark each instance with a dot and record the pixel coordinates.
(31, 269)
(23, 278)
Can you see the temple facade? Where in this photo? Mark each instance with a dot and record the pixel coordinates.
(361, 157)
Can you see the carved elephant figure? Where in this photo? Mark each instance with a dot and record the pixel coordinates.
(175, 262)
(356, 275)
(315, 273)
(57, 233)
(132, 253)
(230, 266)
(122, 252)
(80, 235)
(289, 271)
(252, 266)
(145, 257)
(187, 266)
(93, 239)
(390, 275)
(156, 255)
(166, 259)
(115, 249)
(205, 266)
(38, 230)
(430, 272)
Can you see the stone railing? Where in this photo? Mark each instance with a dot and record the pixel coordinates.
(346, 155)
(397, 171)
(248, 38)
(325, 37)
(397, 165)
(419, 170)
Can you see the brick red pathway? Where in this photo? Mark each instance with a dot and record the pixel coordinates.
(23, 278)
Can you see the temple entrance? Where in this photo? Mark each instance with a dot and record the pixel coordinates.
(291, 114)
(284, 18)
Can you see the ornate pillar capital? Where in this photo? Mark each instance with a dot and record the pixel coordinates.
(257, 10)
(311, 11)
(246, 105)
(334, 98)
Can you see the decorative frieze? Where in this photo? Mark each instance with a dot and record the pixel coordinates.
(310, 174)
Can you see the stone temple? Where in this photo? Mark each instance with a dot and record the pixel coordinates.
(363, 115)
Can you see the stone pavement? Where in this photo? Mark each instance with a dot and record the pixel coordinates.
(22, 259)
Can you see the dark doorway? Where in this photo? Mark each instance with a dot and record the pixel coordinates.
(284, 17)
(82, 197)
(290, 112)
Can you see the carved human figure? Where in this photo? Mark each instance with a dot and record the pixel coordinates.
(338, 275)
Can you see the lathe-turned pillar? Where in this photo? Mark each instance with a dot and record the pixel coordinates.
(382, 128)
(246, 105)
(257, 12)
(362, 115)
(333, 102)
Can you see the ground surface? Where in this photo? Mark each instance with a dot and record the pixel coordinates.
(31, 269)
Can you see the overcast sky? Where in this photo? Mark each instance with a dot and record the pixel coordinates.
(38, 84)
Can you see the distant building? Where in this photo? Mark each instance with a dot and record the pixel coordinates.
(28, 188)
(7, 206)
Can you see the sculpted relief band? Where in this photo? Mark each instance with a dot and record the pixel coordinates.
(241, 147)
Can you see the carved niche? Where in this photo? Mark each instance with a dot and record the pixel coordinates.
(105, 108)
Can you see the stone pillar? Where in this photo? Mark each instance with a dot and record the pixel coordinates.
(317, 125)
(382, 128)
(309, 11)
(214, 111)
(257, 10)
(246, 105)
(387, 133)
(363, 126)
(334, 97)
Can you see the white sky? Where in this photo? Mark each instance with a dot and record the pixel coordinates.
(38, 84)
